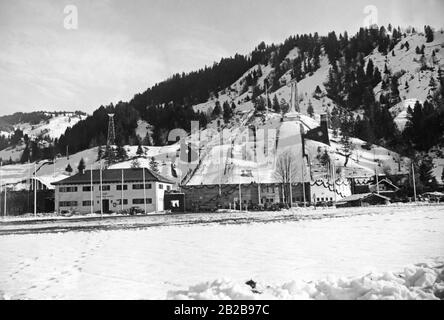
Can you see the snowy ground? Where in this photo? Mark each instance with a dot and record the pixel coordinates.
(214, 260)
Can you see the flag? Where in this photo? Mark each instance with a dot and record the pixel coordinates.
(319, 134)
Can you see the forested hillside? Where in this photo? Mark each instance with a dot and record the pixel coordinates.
(365, 85)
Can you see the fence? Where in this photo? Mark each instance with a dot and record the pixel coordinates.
(22, 202)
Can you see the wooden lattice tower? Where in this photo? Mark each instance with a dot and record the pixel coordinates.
(111, 131)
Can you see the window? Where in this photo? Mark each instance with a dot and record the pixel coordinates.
(125, 201)
(168, 188)
(87, 188)
(68, 189)
(68, 204)
(105, 188)
(119, 187)
(160, 186)
(87, 203)
(141, 201)
(139, 186)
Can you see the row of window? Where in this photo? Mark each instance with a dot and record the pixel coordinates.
(88, 203)
(108, 188)
(323, 199)
(68, 203)
(68, 189)
(142, 201)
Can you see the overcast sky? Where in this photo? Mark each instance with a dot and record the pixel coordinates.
(122, 47)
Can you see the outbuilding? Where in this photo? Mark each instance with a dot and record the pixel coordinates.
(362, 200)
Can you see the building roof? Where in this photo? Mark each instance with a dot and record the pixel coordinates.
(433, 194)
(114, 176)
(386, 181)
(362, 196)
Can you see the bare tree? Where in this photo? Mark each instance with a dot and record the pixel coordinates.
(347, 148)
(285, 170)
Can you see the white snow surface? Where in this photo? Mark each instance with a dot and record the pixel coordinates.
(416, 282)
(369, 256)
(54, 127)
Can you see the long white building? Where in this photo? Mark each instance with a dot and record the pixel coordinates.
(111, 190)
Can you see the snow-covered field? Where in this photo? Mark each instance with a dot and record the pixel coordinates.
(362, 256)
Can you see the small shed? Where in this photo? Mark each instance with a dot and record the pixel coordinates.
(434, 196)
(362, 200)
(174, 201)
(384, 187)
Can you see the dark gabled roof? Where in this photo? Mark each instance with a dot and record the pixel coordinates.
(386, 181)
(361, 196)
(113, 176)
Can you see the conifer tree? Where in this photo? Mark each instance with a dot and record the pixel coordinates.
(310, 110)
(121, 153)
(217, 109)
(228, 112)
(153, 165)
(99, 153)
(376, 77)
(318, 92)
(370, 69)
(426, 173)
(139, 151)
(428, 34)
(276, 105)
(81, 166)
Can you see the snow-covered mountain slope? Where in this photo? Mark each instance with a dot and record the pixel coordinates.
(53, 127)
(414, 83)
(237, 158)
(12, 153)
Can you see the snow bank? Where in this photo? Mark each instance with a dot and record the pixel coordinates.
(422, 281)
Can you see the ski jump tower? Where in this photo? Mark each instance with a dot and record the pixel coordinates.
(293, 113)
(111, 131)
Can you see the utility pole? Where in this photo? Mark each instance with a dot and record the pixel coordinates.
(258, 172)
(35, 189)
(144, 188)
(377, 181)
(6, 188)
(334, 180)
(266, 97)
(1, 181)
(101, 190)
(92, 190)
(240, 194)
(303, 181)
(291, 191)
(121, 193)
(414, 180)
